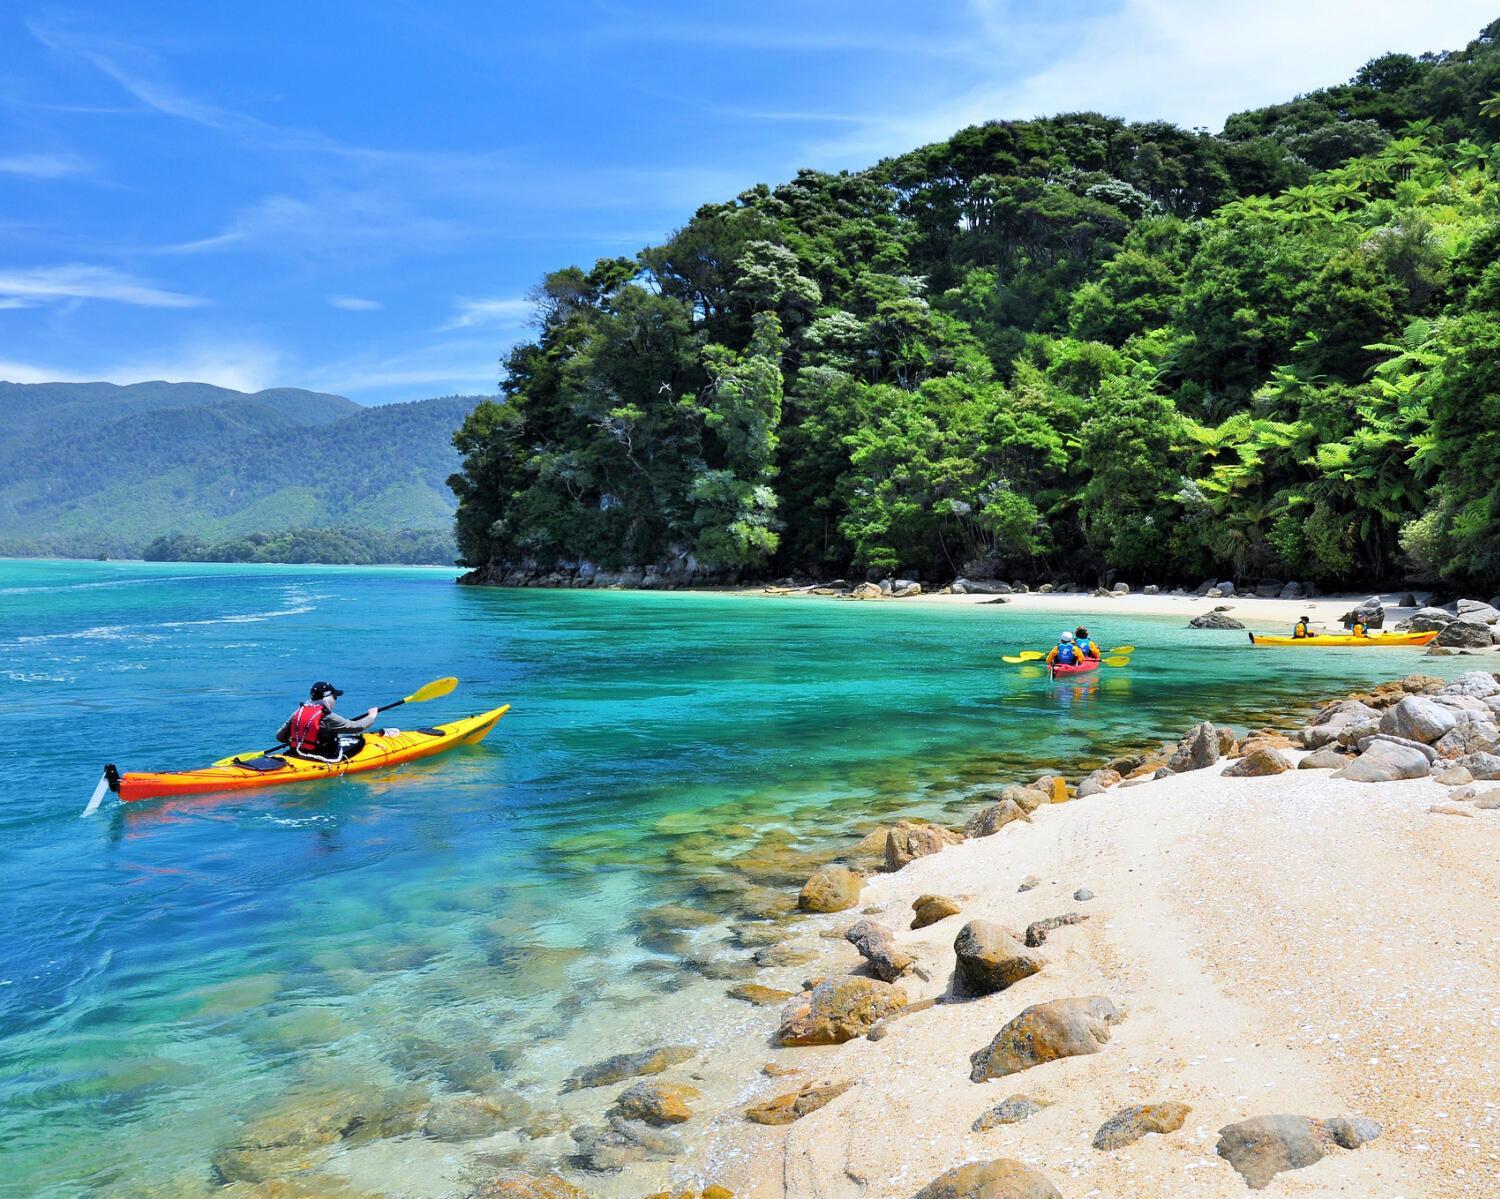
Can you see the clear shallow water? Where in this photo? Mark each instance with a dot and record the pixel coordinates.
(168, 970)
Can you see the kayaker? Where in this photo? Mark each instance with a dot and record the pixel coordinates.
(1085, 646)
(1303, 628)
(1359, 628)
(1065, 652)
(313, 730)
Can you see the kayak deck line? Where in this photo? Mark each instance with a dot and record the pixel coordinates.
(1347, 639)
(245, 771)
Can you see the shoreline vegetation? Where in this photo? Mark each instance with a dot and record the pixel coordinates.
(1266, 352)
(1142, 965)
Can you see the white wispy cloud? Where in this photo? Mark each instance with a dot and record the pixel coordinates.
(510, 312)
(1178, 60)
(26, 288)
(241, 365)
(43, 166)
(354, 303)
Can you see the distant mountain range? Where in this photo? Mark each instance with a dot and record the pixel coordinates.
(91, 468)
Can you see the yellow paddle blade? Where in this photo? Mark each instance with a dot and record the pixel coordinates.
(1029, 655)
(1013, 659)
(1121, 661)
(1123, 649)
(434, 690)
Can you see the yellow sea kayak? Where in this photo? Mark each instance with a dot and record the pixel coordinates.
(1346, 639)
(240, 772)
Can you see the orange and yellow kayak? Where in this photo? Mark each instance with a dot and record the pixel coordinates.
(1345, 639)
(240, 772)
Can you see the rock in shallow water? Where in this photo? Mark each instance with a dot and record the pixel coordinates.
(759, 995)
(1130, 1124)
(529, 1186)
(831, 889)
(630, 1065)
(998, 1179)
(655, 1103)
(1046, 1032)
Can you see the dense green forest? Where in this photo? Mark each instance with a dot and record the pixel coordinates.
(351, 546)
(92, 468)
(1050, 347)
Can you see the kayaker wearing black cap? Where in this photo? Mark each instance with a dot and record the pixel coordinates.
(312, 731)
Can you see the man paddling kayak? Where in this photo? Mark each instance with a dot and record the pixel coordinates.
(313, 730)
(1065, 652)
(1084, 643)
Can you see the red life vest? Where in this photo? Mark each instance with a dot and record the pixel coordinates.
(307, 723)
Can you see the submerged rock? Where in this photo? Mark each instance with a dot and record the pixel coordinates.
(630, 1065)
(929, 909)
(1046, 1032)
(991, 958)
(622, 1142)
(656, 1103)
(529, 1186)
(469, 1117)
(1130, 1124)
(838, 1010)
(998, 1179)
(1264, 1146)
(831, 889)
(759, 995)
(1010, 1111)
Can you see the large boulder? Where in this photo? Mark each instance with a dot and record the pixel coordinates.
(1428, 620)
(998, 1179)
(1264, 1146)
(1385, 762)
(1463, 634)
(838, 1010)
(1258, 762)
(1214, 620)
(1471, 734)
(1046, 1032)
(1197, 750)
(991, 958)
(1481, 765)
(1477, 612)
(877, 945)
(982, 586)
(1371, 612)
(1476, 684)
(1418, 718)
(831, 889)
(1345, 717)
(1129, 1125)
(908, 840)
(993, 818)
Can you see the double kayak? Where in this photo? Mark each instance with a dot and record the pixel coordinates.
(1346, 639)
(1061, 671)
(241, 772)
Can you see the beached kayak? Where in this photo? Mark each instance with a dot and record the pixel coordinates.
(1060, 671)
(1346, 639)
(242, 771)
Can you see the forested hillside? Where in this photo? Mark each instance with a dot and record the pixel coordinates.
(95, 468)
(1061, 346)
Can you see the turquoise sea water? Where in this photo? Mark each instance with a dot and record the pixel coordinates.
(168, 970)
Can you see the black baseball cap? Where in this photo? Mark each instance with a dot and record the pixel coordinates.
(319, 690)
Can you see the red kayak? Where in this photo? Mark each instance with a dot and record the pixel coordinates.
(1059, 671)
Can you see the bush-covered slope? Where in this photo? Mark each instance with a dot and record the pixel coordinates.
(91, 468)
(1066, 345)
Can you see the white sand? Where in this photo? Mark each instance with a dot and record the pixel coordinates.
(1260, 613)
(1293, 944)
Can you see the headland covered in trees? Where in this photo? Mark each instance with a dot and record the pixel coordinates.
(1055, 348)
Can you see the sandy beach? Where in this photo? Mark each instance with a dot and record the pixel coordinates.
(1294, 944)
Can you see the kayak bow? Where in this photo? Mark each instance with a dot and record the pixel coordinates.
(241, 772)
(1345, 639)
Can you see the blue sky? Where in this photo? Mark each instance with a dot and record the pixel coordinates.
(357, 197)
